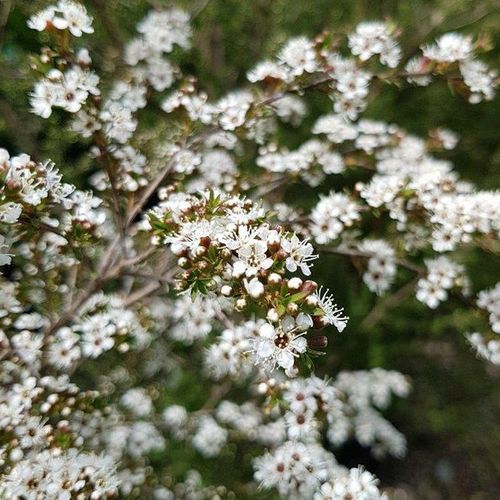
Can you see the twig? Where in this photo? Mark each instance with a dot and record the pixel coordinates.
(356, 253)
(376, 314)
(146, 195)
(108, 23)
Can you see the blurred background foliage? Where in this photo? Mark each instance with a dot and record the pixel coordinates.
(451, 418)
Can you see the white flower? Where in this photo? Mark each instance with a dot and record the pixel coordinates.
(333, 314)
(252, 258)
(138, 401)
(431, 294)
(233, 108)
(164, 29)
(254, 288)
(119, 124)
(298, 56)
(73, 16)
(479, 78)
(210, 437)
(300, 254)
(266, 69)
(417, 69)
(39, 20)
(371, 38)
(337, 128)
(32, 432)
(279, 346)
(331, 215)
(449, 48)
(186, 161)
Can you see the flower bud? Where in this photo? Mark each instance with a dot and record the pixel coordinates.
(309, 287)
(262, 388)
(123, 348)
(274, 279)
(241, 304)
(205, 241)
(273, 241)
(254, 288)
(225, 253)
(319, 342)
(294, 283)
(280, 254)
(203, 265)
(183, 262)
(319, 322)
(212, 285)
(312, 300)
(226, 290)
(272, 315)
(200, 251)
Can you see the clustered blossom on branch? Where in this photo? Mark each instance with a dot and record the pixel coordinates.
(297, 465)
(188, 255)
(228, 250)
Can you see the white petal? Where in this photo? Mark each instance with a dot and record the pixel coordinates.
(285, 359)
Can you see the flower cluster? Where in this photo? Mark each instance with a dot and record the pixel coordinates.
(381, 265)
(66, 15)
(489, 300)
(442, 275)
(331, 215)
(297, 465)
(62, 476)
(228, 250)
(191, 273)
(372, 38)
(456, 48)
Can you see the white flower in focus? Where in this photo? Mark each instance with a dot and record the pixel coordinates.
(254, 288)
(333, 314)
(279, 346)
(252, 258)
(300, 254)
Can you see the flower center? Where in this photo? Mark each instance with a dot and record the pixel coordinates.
(281, 340)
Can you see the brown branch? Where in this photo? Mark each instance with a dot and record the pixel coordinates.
(108, 23)
(149, 192)
(105, 274)
(357, 253)
(377, 313)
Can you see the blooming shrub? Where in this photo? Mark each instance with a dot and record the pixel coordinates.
(180, 244)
